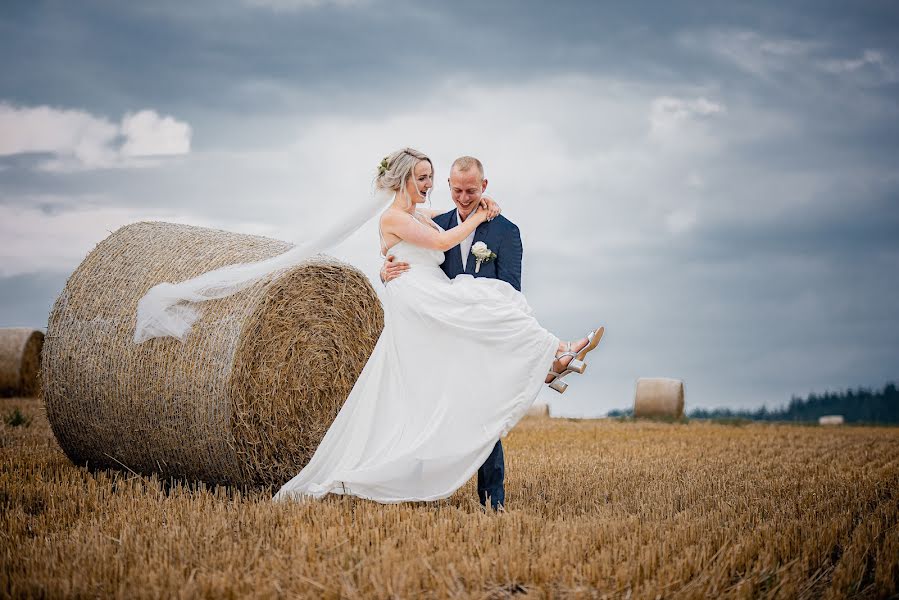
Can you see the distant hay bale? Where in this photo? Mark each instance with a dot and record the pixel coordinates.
(538, 409)
(250, 394)
(831, 420)
(658, 397)
(20, 361)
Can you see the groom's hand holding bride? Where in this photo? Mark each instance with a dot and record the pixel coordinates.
(391, 269)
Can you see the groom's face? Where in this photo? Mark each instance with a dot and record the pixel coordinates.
(466, 188)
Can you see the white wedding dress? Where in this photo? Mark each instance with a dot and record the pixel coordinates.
(458, 364)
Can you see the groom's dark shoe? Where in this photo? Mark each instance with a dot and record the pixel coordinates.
(490, 479)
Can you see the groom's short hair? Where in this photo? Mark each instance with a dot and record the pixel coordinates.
(466, 163)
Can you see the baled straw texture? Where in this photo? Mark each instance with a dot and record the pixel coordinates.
(20, 361)
(245, 400)
(658, 397)
(831, 420)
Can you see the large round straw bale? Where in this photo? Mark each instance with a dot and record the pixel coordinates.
(20, 361)
(248, 396)
(659, 397)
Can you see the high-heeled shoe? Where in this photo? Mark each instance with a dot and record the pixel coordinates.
(576, 364)
(592, 342)
(556, 382)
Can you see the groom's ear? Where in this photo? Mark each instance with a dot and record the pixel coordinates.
(484, 186)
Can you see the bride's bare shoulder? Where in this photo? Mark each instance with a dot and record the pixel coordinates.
(392, 218)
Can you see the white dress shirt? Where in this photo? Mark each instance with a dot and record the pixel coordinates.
(465, 245)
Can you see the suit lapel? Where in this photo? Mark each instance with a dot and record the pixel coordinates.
(445, 219)
(480, 235)
(454, 254)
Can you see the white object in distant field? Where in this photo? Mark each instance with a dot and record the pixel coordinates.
(659, 397)
(831, 420)
(538, 409)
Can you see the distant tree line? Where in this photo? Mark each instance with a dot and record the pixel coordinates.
(861, 405)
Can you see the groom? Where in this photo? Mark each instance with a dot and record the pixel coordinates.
(467, 184)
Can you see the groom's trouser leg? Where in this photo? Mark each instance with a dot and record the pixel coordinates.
(490, 478)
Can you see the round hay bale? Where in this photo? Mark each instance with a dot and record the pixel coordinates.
(658, 397)
(831, 420)
(245, 400)
(538, 409)
(20, 361)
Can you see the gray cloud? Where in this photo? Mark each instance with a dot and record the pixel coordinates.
(714, 182)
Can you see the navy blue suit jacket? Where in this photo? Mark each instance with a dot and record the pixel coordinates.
(501, 236)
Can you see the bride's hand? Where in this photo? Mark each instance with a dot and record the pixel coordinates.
(480, 215)
(493, 209)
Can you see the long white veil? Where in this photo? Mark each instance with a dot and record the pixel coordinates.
(169, 309)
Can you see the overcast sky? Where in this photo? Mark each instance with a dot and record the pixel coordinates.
(715, 182)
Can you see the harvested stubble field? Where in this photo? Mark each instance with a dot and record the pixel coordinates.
(596, 508)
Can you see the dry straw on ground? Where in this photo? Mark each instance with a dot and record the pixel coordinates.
(245, 400)
(595, 509)
(657, 397)
(20, 360)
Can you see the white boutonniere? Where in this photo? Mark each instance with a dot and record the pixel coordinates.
(482, 253)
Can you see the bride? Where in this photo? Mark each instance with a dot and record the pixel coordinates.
(457, 365)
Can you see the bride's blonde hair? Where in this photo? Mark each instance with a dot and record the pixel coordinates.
(396, 169)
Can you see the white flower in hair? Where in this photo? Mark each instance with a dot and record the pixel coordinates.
(482, 253)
